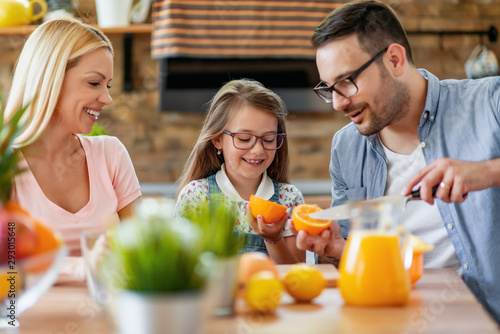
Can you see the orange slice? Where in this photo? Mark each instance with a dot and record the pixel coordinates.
(271, 212)
(303, 222)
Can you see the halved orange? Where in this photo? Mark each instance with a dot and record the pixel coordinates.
(303, 222)
(271, 212)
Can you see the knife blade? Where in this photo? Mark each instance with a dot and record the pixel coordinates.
(343, 211)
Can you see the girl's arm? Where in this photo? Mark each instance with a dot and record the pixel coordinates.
(282, 250)
(286, 250)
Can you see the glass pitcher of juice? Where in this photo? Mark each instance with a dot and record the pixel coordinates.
(374, 263)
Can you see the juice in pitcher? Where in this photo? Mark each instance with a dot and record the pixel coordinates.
(372, 271)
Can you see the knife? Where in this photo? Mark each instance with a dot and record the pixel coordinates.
(344, 211)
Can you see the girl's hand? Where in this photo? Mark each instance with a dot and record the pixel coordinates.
(271, 232)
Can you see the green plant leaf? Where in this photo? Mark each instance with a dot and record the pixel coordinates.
(157, 252)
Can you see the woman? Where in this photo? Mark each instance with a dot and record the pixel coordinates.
(72, 182)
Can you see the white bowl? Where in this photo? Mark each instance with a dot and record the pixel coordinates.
(38, 273)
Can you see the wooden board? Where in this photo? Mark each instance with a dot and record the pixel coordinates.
(329, 271)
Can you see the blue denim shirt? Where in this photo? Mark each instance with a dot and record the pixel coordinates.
(461, 120)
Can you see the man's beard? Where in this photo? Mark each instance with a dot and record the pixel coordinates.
(391, 105)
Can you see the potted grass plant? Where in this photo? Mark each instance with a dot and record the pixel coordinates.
(217, 220)
(160, 265)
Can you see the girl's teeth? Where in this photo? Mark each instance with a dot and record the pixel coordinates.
(254, 161)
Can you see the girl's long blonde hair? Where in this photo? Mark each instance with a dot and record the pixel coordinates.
(53, 48)
(203, 160)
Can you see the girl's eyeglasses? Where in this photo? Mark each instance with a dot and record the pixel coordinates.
(245, 141)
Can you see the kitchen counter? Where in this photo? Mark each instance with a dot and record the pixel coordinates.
(439, 303)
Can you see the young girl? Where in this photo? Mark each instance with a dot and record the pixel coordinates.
(242, 150)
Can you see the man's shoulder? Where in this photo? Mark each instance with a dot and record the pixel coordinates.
(349, 135)
(348, 130)
(471, 83)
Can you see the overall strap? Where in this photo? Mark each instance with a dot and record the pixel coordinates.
(214, 192)
(253, 242)
(276, 197)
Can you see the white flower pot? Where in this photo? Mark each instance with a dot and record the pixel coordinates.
(222, 284)
(155, 313)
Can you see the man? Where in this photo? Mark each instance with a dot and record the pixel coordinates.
(408, 129)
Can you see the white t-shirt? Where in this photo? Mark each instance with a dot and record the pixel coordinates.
(420, 218)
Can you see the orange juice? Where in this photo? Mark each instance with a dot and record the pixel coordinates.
(372, 271)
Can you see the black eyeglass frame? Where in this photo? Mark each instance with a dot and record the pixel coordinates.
(278, 143)
(319, 88)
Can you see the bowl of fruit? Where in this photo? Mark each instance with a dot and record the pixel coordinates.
(31, 254)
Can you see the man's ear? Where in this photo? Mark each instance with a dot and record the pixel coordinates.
(397, 59)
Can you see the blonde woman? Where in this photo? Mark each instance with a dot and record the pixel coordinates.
(241, 151)
(72, 182)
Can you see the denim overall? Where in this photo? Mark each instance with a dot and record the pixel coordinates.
(253, 242)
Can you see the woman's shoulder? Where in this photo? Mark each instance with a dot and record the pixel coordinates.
(108, 145)
(101, 141)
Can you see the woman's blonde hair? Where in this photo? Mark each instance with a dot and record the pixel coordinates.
(51, 50)
(203, 160)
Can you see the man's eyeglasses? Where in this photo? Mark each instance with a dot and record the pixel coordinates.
(245, 141)
(345, 86)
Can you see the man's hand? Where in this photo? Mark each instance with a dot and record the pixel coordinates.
(329, 243)
(455, 178)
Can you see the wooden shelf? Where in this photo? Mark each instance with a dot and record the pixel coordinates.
(127, 35)
(131, 29)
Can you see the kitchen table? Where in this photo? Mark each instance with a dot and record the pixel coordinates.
(439, 303)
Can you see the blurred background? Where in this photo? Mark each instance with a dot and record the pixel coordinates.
(159, 138)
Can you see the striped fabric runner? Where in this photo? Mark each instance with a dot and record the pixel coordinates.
(236, 28)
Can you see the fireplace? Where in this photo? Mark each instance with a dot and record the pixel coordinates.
(188, 84)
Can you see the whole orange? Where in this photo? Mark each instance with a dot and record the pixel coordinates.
(271, 212)
(253, 262)
(263, 292)
(10, 283)
(303, 222)
(47, 240)
(23, 229)
(304, 282)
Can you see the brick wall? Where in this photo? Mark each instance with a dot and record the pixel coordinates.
(159, 143)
